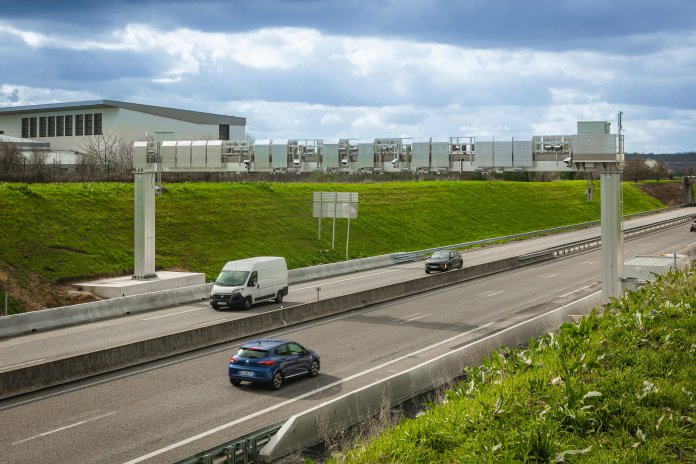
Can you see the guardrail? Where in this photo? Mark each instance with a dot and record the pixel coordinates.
(242, 450)
(559, 250)
(595, 242)
(52, 318)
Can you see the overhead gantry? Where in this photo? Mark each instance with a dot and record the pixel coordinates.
(593, 149)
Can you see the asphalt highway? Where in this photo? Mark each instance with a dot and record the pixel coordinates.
(41, 347)
(170, 409)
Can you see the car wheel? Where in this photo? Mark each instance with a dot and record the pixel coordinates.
(277, 381)
(235, 382)
(314, 369)
(427, 271)
(279, 297)
(247, 303)
(215, 306)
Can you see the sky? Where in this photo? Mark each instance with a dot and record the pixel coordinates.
(365, 69)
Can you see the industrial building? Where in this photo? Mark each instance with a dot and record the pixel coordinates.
(67, 127)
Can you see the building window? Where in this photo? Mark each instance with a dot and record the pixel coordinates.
(79, 130)
(68, 125)
(32, 128)
(224, 132)
(42, 126)
(25, 128)
(59, 126)
(88, 124)
(97, 124)
(51, 126)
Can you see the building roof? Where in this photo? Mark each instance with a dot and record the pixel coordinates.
(24, 144)
(196, 117)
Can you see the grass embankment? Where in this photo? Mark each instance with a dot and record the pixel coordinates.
(68, 232)
(615, 388)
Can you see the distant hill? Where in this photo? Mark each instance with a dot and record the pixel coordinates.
(679, 163)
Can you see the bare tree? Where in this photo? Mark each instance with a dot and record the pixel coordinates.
(10, 160)
(636, 169)
(107, 155)
(37, 162)
(660, 170)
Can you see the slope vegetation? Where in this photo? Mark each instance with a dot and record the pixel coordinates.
(616, 387)
(54, 234)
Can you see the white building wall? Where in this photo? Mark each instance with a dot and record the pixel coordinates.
(132, 125)
(11, 125)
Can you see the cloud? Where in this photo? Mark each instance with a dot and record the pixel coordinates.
(305, 82)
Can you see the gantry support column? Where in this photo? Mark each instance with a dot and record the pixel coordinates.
(612, 234)
(144, 225)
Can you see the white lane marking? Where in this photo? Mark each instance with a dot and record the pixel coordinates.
(12, 366)
(551, 275)
(576, 290)
(203, 324)
(414, 318)
(496, 293)
(589, 262)
(172, 314)
(344, 280)
(293, 400)
(691, 244)
(65, 428)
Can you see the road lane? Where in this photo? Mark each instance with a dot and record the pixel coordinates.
(84, 338)
(169, 410)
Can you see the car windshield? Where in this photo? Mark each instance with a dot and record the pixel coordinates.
(253, 353)
(440, 255)
(232, 278)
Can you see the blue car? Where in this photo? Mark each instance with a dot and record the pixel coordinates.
(271, 362)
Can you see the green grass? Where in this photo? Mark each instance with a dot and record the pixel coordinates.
(69, 232)
(615, 388)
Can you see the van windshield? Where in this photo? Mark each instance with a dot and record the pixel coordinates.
(232, 278)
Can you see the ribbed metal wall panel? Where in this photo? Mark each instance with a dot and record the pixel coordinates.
(279, 154)
(522, 153)
(198, 153)
(366, 156)
(214, 154)
(168, 153)
(600, 147)
(420, 155)
(140, 155)
(183, 154)
(261, 156)
(440, 155)
(502, 154)
(483, 154)
(330, 156)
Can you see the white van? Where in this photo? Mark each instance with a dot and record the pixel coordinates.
(245, 282)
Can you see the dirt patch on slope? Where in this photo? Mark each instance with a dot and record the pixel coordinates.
(669, 193)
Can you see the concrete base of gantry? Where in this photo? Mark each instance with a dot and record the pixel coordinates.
(117, 287)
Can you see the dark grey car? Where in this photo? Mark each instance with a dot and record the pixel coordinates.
(444, 261)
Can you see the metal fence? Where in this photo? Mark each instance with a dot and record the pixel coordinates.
(242, 450)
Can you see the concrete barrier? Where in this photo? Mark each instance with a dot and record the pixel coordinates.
(309, 427)
(52, 318)
(33, 377)
(322, 271)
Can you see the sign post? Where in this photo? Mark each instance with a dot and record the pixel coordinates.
(341, 205)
